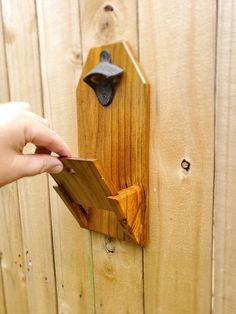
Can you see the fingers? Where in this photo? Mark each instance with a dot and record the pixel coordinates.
(32, 116)
(19, 126)
(37, 130)
(29, 165)
(42, 136)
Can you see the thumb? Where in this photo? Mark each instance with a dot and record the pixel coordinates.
(30, 165)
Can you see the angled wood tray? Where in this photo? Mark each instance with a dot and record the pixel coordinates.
(87, 191)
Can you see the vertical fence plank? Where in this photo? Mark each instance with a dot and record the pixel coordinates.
(2, 292)
(59, 35)
(4, 91)
(225, 152)
(12, 268)
(12, 261)
(20, 31)
(177, 51)
(117, 274)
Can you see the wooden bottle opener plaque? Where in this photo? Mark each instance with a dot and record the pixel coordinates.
(106, 189)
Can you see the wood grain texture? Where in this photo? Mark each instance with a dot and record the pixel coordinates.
(20, 29)
(4, 91)
(98, 274)
(117, 265)
(3, 308)
(104, 22)
(11, 247)
(128, 205)
(177, 51)
(60, 65)
(91, 196)
(225, 154)
(118, 135)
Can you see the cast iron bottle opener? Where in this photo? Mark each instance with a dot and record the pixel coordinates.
(103, 78)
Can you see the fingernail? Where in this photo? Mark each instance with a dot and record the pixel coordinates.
(56, 169)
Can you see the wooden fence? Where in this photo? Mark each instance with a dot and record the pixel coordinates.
(188, 50)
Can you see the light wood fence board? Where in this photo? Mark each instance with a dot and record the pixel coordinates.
(11, 245)
(225, 154)
(61, 66)
(117, 265)
(2, 292)
(4, 91)
(11, 250)
(105, 22)
(24, 84)
(177, 51)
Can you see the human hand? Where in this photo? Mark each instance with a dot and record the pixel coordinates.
(19, 126)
